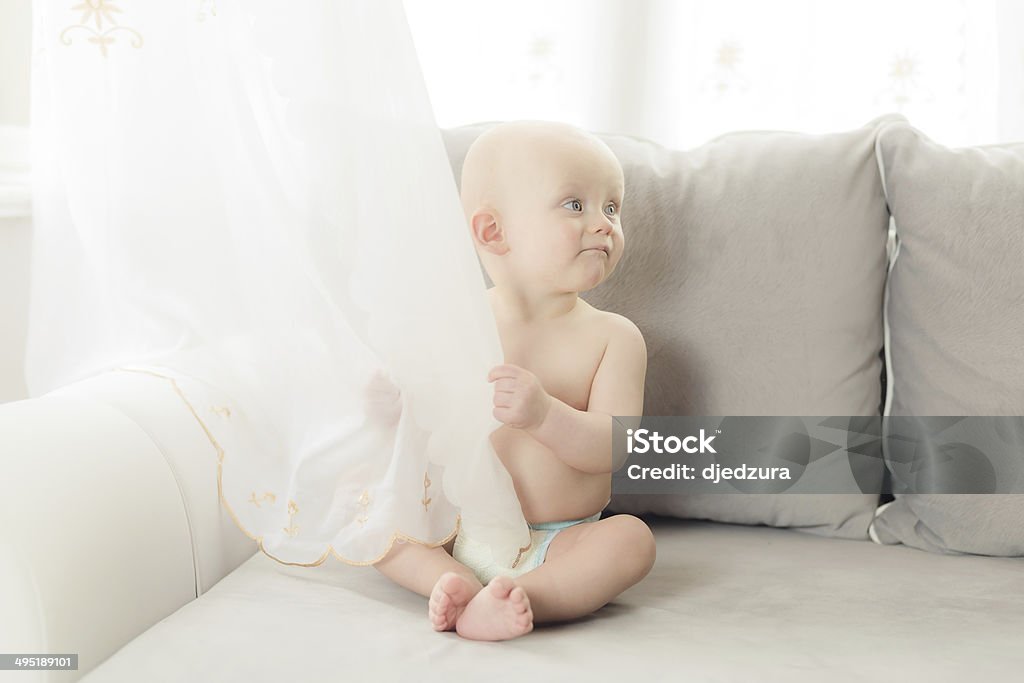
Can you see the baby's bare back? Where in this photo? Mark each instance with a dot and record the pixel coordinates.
(564, 354)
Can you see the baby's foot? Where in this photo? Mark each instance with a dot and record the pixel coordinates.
(449, 598)
(500, 611)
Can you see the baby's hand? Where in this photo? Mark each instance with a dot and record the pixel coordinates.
(383, 399)
(519, 399)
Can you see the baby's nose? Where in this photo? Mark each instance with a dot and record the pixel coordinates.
(602, 225)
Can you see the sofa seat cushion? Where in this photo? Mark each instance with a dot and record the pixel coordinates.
(723, 602)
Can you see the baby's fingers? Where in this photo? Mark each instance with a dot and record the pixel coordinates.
(499, 371)
(502, 401)
(505, 385)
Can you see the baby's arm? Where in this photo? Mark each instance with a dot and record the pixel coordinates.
(583, 439)
(587, 564)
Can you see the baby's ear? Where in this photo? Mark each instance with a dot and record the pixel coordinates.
(487, 232)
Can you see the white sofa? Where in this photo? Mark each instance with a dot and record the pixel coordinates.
(116, 538)
(113, 545)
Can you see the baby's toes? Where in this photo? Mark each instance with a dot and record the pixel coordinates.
(439, 602)
(521, 623)
(438, 606)
(521, 614)
(519, 600)
(439, 609)
(440, 622)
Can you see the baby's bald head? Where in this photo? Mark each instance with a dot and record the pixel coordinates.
(538, 197)
(503, 155)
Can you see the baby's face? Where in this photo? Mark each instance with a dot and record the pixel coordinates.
(561, 215)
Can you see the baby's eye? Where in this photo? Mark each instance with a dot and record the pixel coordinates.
(574, 205)
(611, 209)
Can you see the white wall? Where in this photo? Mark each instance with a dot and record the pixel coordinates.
(15, 234)
(15, 47)
(14, 255)
(15, 239)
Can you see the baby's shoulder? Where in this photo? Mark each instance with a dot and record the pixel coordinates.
(617, 328)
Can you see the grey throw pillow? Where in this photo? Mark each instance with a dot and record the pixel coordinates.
(754, 266)
(955, 313)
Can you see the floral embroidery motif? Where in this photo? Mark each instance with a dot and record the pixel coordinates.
(100, 10)
(266, 497)
(727, 77)
(904, 70)
(426, 499)
(204, 6)
(293, 510)
(364, 500)
(542, 59)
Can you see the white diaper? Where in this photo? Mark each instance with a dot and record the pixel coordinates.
(477, 556)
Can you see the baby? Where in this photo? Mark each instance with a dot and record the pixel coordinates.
(543, 203)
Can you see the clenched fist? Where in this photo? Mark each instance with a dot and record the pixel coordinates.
(519, 399)
(383, 398)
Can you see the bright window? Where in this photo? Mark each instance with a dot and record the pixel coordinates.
(682, 71)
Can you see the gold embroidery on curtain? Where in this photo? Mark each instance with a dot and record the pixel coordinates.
(99, 10)
(426, 499)
(364, 500)
(396, 536)
(267, 496)
(522, 550)
(204, 6)
(293, 510)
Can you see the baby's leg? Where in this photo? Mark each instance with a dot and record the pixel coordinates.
(434, 574)
(418, 567)
(587, 565)
(502, 610)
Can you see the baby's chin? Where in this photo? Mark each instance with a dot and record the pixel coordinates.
(593, 278)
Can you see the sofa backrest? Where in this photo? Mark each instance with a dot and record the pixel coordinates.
(755, 267)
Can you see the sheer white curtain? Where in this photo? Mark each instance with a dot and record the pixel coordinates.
(251, 201)
(682, 71)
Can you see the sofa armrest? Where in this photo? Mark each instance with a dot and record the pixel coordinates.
(95, 544)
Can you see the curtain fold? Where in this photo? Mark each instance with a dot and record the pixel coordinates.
(252, 201)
